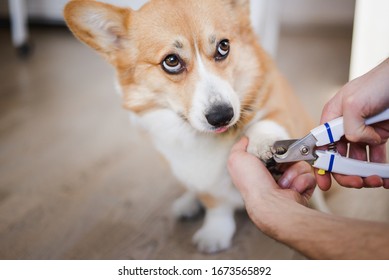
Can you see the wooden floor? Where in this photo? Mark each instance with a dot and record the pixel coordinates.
(77, 181)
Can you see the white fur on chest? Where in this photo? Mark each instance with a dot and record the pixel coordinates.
(197, 159)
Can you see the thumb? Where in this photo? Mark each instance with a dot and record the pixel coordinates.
(356, 130)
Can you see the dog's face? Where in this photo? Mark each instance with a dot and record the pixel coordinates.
(198, 58)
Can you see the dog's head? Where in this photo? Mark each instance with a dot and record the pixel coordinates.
(198, 58)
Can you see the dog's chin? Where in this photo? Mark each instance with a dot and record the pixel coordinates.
(207, 129)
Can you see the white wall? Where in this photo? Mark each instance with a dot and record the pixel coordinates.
(371, 36)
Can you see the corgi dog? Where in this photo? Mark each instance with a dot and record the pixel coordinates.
(196, 78)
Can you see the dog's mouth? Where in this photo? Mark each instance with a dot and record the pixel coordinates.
(220, 130)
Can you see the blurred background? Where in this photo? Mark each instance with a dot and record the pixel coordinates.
(78, 181)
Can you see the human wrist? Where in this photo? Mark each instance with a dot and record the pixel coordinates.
(271, 213)
(278, 214)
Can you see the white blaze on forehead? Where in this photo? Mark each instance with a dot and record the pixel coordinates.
(200, 63)
(210, 90)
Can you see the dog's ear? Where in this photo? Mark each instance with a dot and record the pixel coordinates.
(99, 25)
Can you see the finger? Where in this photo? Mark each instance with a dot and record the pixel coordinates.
(356, 131)
(304, 184)
(240, 146)
(373, 181)
(386, 183)
(355, 182)
(292, 172)
(382, 129)
(323, 181)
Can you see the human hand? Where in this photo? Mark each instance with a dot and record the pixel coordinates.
(359, 99)
(263, 197)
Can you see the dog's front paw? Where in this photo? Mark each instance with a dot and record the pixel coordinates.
(261, 147)
(216, 233)
(262, 136)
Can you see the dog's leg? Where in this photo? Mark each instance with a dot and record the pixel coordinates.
(186, 206)
(262, 136)
(218, 228)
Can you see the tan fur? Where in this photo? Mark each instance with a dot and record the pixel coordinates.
(208, 200)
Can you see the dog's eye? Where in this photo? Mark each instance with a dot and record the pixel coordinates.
(172, 64)
(223, 48)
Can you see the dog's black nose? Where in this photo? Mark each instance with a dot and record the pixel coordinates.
(220, 115)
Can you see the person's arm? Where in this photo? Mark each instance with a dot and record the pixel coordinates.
(280, 212)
